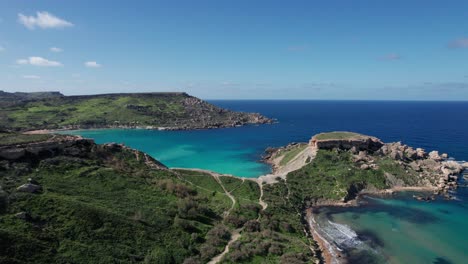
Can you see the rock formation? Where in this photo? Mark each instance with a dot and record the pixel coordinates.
(356, 141)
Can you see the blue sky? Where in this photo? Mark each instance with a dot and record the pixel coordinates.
(375, 49)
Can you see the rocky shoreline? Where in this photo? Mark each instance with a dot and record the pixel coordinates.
(429, 174)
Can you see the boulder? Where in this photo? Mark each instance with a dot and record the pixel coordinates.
(434, 155)
(396, 154)
(29, 188)
(384, 150)
(451, 167)
(365, 167)
(421, 154)
(415, 166)
(411, 153)
(465, 165)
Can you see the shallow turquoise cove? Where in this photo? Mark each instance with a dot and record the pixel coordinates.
(403, 230)
(188, 149)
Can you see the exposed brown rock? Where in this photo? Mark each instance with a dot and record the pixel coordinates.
(358, 143)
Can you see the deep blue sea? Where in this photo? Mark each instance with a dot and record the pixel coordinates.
(439, 126)
(399, 230)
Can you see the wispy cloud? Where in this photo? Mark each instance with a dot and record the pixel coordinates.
(55, 49)
(432, 87)
(31, 77)
(2, 48)
(459, 43)
(39, 61)
(297, 48)
(391, 57)
(92, 64)
(43, 20)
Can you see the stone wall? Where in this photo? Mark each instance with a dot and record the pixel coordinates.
(360, 144)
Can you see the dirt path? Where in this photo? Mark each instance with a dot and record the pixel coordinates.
(260, 199)
(301, 159)
(234, 237)
(218, 180)
(216, 177)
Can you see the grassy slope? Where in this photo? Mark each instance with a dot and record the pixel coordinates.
(338, 135)
(13, 138)
(111, 208)
(330, 176)
(107, 208)
(164, 109)
(291, 153)
(277, 237)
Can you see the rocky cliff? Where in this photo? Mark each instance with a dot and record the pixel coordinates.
(345, 141)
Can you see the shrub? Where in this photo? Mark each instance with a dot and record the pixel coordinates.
(252, 226)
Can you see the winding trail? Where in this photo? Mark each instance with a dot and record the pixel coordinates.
(235, 235)
(216, 177)
(260, 199)
(301, 159)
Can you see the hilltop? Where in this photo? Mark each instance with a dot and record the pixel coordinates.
(169, 111)
(339, 165)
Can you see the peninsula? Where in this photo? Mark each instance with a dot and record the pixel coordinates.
(164, 111)
(336, 168)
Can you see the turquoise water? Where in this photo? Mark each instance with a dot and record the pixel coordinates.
(401, 230)
(397, 230)
(237, 151)
(205, 149)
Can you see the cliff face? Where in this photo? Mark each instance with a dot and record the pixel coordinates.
(352, 140)
(168, 111)
(64, 145)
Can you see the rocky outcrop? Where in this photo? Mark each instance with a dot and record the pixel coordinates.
(29, 188)
(360, 143)
(432, 169)
(67, 145)
(403, 166)
(149, 161)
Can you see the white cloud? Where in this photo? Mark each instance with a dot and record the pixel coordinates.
(43, 20)
(2, 48)
(55, 49)
(31, 77)
(39, 61)
(92, 64)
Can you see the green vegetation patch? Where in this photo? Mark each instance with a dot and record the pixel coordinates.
(339, 135)
(332, 175)
(292, 153)
(105, 207)
(16, 138)
(277, 237)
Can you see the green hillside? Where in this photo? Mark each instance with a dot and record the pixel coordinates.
(23, 111)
